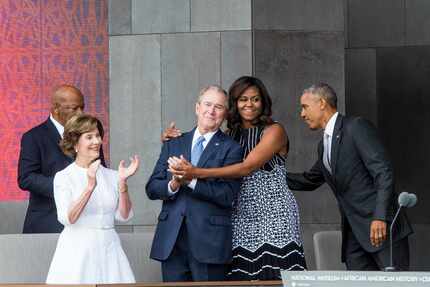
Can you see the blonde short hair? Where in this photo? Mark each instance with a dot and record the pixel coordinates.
(74, 128)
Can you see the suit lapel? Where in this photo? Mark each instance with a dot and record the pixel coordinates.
(53, 133)
(55, 137)
(187, 145)
(212, 147)
(335, 142)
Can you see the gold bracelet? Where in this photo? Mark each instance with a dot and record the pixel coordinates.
(124, 189)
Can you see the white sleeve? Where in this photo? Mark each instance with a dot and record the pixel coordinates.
(63, 198)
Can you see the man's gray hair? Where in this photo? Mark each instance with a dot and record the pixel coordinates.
(216, 88)
(324, 91)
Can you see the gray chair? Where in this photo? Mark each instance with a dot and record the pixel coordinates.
(327, 246)
(25, 258)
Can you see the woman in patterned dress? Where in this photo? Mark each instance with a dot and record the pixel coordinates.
(266, 225)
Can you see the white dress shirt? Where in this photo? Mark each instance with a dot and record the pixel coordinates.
(329, 129)
(57, 125)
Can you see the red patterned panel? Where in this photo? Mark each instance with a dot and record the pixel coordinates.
(44, 43)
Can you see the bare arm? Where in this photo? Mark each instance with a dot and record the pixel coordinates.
(274, 141)
(78, 206)
(124, 205)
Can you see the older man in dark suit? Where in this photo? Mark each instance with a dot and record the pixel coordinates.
(353, 161)
(193, 239)
(41, 157)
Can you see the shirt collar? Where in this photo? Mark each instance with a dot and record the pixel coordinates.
(57, 125)
(329, 128)
(208, 136)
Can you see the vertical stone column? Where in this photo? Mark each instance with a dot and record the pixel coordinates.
(161, 54)
(298, 43)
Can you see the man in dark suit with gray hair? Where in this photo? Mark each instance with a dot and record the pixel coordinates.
(354, 163)
(193, 239)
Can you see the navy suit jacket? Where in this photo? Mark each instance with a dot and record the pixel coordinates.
(362, 180)
(206, 209)
(40, 159)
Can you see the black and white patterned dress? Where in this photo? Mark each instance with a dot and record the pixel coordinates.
(266, 224)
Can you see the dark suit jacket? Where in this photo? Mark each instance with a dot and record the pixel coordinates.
(40, 158)
(206, 209)
(362, 179)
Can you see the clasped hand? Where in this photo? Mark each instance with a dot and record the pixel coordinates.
(180, 168)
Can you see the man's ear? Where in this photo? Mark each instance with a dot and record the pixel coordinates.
(323, 103)
(197, 108)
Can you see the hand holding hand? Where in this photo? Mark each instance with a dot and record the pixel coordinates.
(125, 172)
(91, 174)
(170, 133)
(378, 232)
(181, 168)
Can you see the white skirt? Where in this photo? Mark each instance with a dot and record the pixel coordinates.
(89, 256)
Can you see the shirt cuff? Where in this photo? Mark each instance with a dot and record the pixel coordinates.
(192, 184)
(171, 192)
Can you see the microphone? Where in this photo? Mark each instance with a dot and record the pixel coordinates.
(405, 200)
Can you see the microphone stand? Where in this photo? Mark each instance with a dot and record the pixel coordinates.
(392, 268)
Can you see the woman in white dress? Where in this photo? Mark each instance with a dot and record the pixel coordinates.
(88, 198)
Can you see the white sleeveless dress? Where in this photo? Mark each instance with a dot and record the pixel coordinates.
(89, 251)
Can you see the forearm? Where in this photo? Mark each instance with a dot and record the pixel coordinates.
(237, 170)
(124, 205)
(78, 206)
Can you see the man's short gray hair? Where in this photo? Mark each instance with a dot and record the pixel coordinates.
(324, 91)
(216, 88)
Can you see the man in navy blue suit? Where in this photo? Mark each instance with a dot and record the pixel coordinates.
(193, 239)
(41, 157)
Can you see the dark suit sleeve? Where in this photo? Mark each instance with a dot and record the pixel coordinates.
(308, 180)
(30, 175)
(375, 159)
(156, 188)
(220, 191)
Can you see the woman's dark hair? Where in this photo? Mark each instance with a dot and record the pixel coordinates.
(236, 90)
(74, 128)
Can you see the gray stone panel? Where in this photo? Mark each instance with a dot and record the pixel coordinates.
(135, 118)
(299, 15)
(417, 22)
(308, 231)
(220, 15)
(402, 87)
(419, 248)
(376, 23)
(12, 214)
(236, 56)
(360, 85)
(288, 62)
(119, 17)
(160, 16)
(189, 62)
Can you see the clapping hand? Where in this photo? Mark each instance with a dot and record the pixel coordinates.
(126, 172)
(91, 173)
(180, 168)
